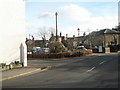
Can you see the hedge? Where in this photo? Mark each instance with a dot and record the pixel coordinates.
(60, 55)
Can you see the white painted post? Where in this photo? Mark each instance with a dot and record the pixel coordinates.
(23, 54)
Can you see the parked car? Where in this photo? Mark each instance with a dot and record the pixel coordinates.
(95, 49)
(81, 48)
(29, 52)
(37, 50)
(46, 50)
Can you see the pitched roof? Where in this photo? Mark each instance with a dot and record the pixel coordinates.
(109, 31)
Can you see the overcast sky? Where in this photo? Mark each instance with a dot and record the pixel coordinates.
(88, 16)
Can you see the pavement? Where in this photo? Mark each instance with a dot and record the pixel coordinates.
(22, 71)
(34, 66)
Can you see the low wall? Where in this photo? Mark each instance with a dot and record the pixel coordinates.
(107, 50)
(60, 55)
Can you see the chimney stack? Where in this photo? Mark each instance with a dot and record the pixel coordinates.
(60, 34)
(66, 35)
(73, 36)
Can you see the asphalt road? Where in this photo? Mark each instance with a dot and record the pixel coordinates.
(97, 71)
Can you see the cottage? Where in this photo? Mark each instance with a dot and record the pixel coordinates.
(111, 37)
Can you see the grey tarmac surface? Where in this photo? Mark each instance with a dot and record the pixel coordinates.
(96, 71)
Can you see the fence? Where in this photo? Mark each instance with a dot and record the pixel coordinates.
(60, 55)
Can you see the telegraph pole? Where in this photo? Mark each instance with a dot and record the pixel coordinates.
(56, 26)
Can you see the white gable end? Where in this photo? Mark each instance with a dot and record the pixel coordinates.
(12, 31)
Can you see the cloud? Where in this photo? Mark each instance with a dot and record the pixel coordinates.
(77, 13)
(95, 23)
(74, 12)
(71, 12)
(46, 15)
(71, 0)
(78, 16)
(104, 21)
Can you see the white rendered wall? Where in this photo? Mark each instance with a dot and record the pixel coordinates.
(12, 30)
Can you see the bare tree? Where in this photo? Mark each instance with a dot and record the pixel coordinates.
(45, 32)
(95, 39)
(42, 32)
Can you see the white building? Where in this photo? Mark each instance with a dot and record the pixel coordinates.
(12, 32)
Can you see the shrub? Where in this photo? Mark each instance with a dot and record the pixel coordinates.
(2, 65)
(61, 54)
(113, 48)
(17, 62)
(56, 47)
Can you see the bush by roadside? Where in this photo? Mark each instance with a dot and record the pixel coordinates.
(60, 55)
(4, 66)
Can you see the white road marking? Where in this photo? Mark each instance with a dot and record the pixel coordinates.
(102, 62)
(91, 69)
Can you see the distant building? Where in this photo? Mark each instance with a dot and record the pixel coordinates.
(69, 42)
(104, 37)
(38, 43)
(30, 43)
(76, 41)
(111, 37)
(35, 43)
(59, 37)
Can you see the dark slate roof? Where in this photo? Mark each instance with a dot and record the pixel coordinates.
(101, 31)
(105, 31)
(109, 31)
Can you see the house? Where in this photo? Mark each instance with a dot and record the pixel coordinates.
(69, 42)
(35, 43)
(30, 43)
(12, 32)
(105, 38)
(111, 37)
(76, 41)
